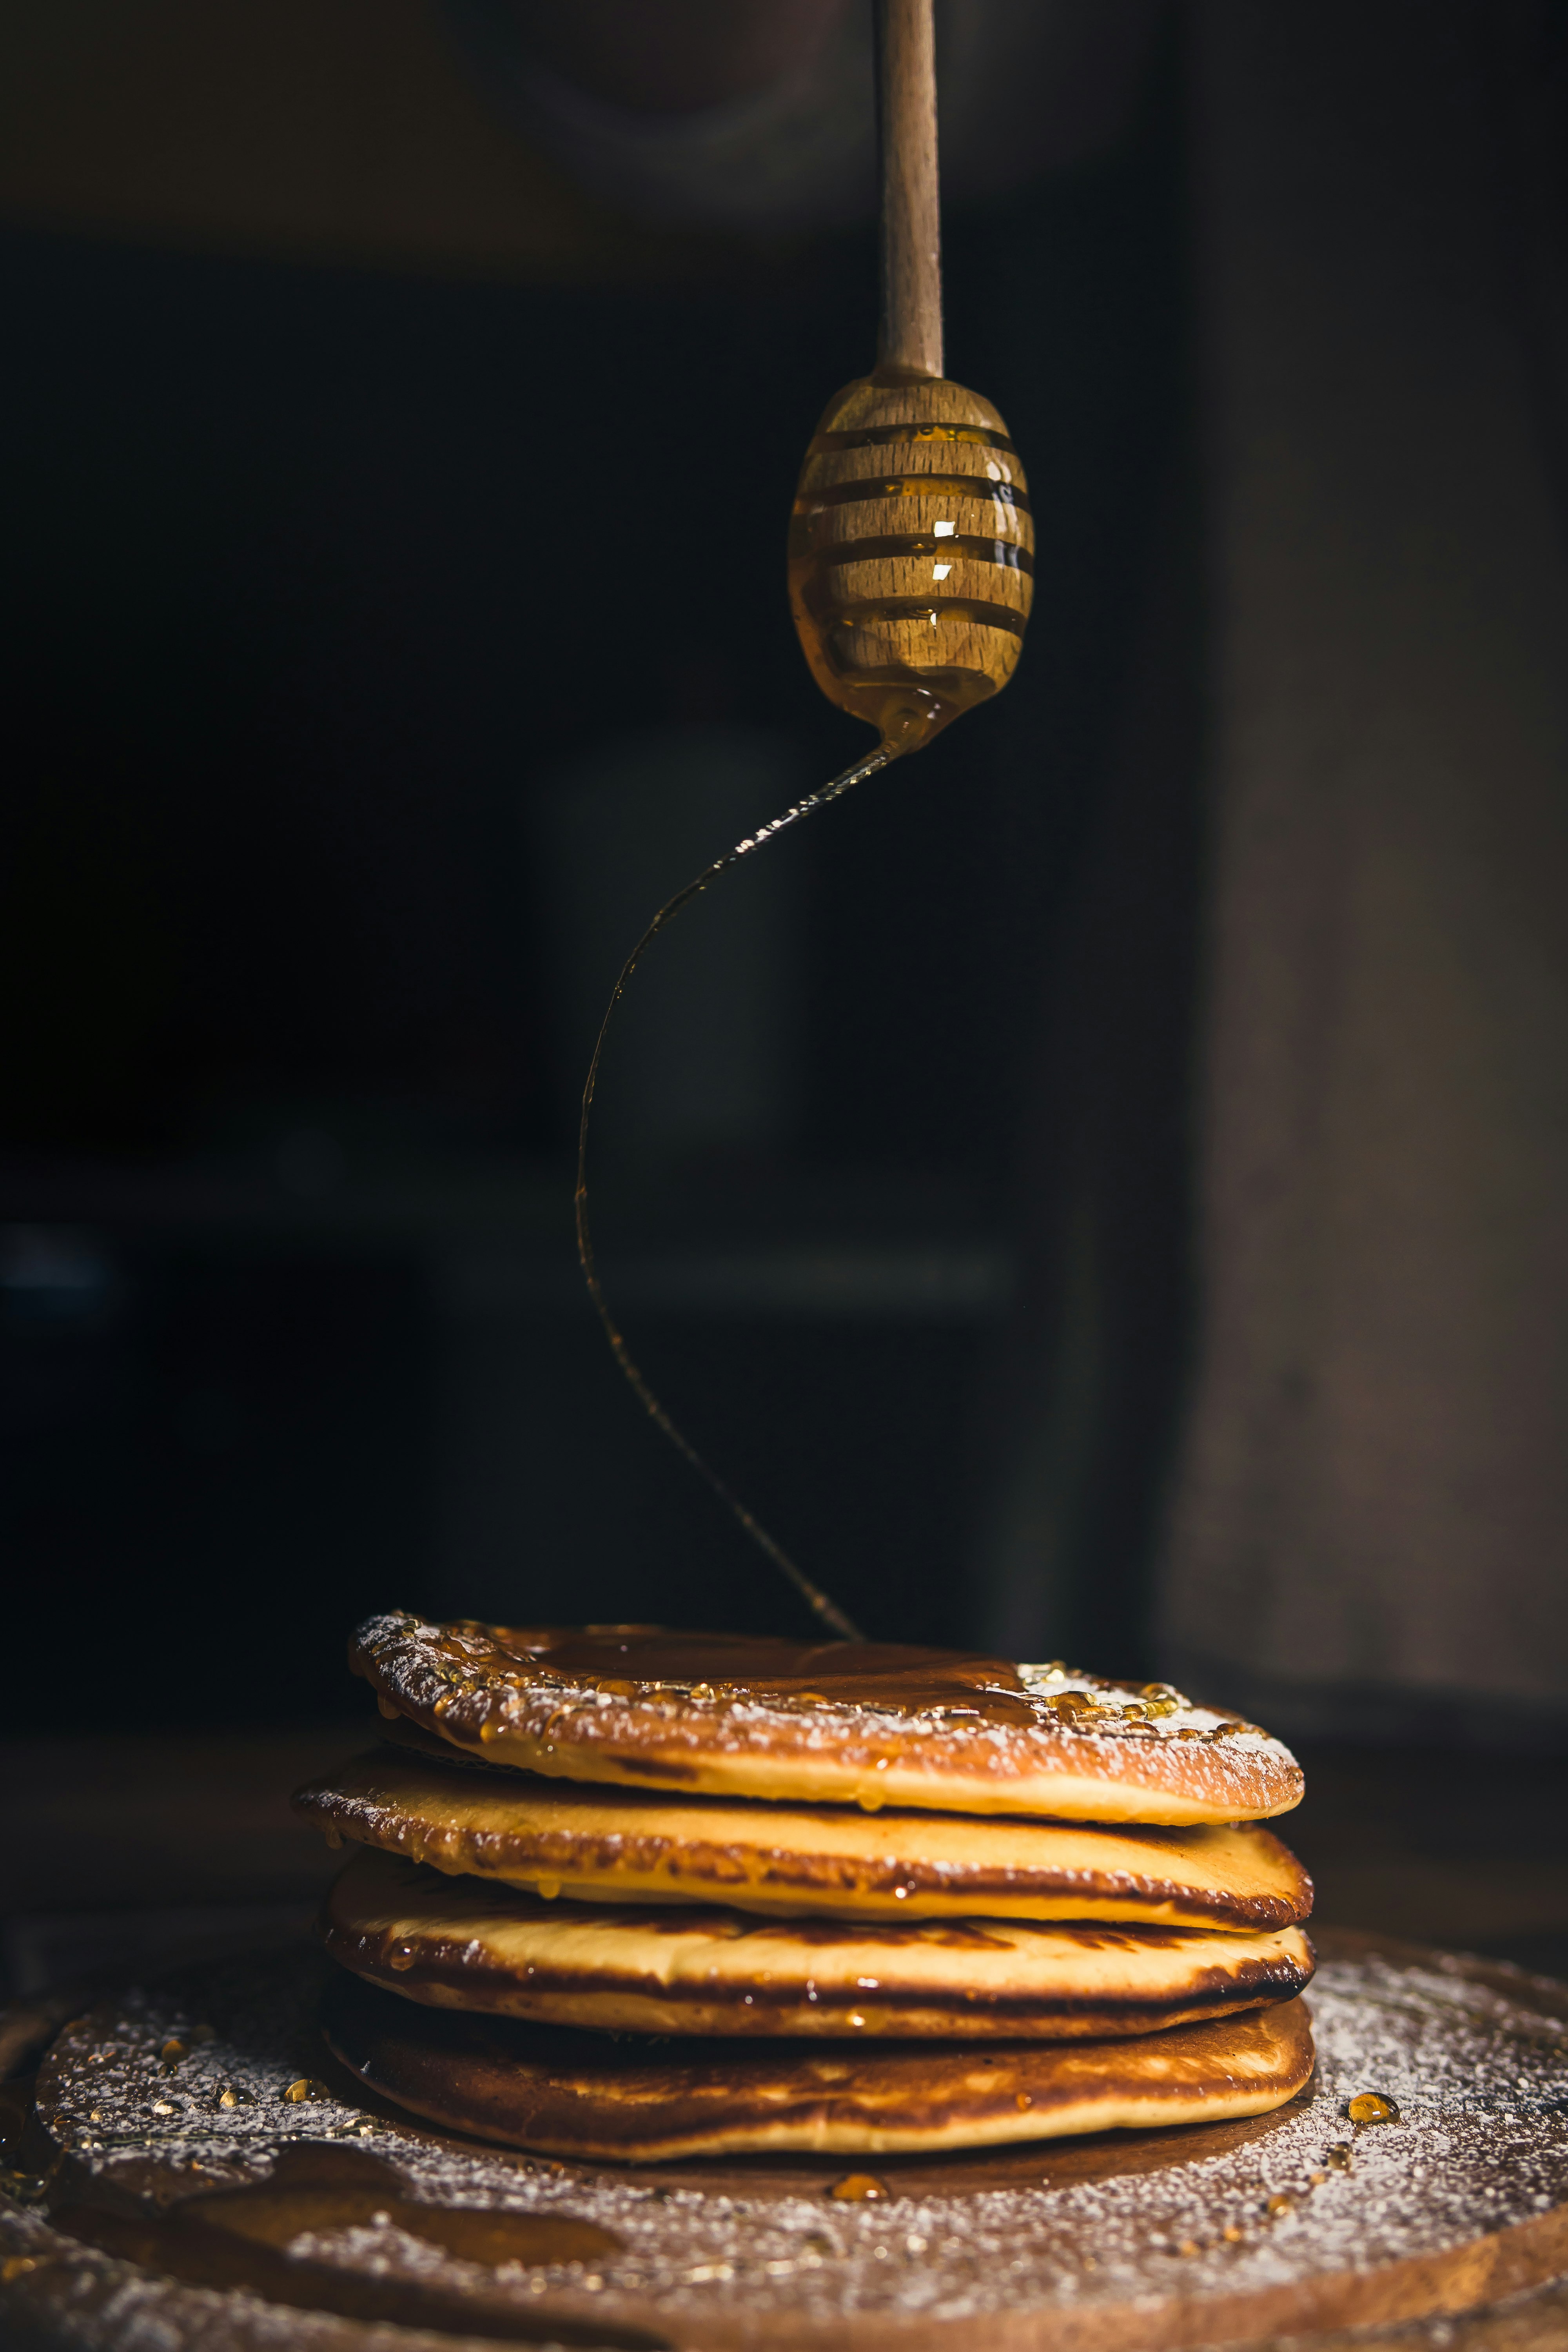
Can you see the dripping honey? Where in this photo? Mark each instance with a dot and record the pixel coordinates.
(910, 572)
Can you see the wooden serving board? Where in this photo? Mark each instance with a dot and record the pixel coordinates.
(345, 2227)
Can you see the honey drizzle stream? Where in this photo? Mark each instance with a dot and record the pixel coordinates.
(827, 1609)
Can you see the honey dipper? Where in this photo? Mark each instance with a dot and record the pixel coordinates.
(911, 545)
(910, 572)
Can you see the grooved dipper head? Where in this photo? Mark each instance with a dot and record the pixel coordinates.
(910, 553)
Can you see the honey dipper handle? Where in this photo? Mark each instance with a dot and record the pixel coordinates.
(909, 333)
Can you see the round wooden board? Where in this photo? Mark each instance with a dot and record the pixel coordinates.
(1126, 2243)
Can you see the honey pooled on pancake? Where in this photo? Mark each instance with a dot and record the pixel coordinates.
(838, 1722)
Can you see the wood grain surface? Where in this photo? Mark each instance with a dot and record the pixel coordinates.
(910, 553)
(909, 331)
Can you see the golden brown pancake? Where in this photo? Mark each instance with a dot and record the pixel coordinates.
(622, 1845)
(836, 1722)
(584, 2094)
(460, 1943)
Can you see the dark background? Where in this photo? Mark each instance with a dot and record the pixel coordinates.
(358, 475)
(311, 572)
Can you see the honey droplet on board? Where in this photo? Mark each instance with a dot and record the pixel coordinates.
(297, 2093)
(1340, 2157)
(172, 2052)
(1278, 2207)
(1372, 2107)
(858, 2189)
(1232, 2236)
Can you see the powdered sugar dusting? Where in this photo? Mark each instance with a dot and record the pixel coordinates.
(1480, 2082)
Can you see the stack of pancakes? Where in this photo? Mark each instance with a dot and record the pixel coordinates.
(646, 1894)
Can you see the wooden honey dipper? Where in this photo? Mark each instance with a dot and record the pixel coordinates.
(911, 544)
(910, 574)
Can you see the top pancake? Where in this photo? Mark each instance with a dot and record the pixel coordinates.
(838, 1722)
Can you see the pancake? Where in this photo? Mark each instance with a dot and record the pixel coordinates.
(838, 1722)
(584, 2095)
(609, 1845)
(457, 1943)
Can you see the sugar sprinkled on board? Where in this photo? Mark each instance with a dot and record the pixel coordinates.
(1479, 2140)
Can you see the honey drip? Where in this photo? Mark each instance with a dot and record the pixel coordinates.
(1372, 2107)
(827, 1609)
(860, 2189)
(911, 581)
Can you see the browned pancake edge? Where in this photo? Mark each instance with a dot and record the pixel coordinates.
(624, 1844)
(581, 2095)
(462, 1943)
